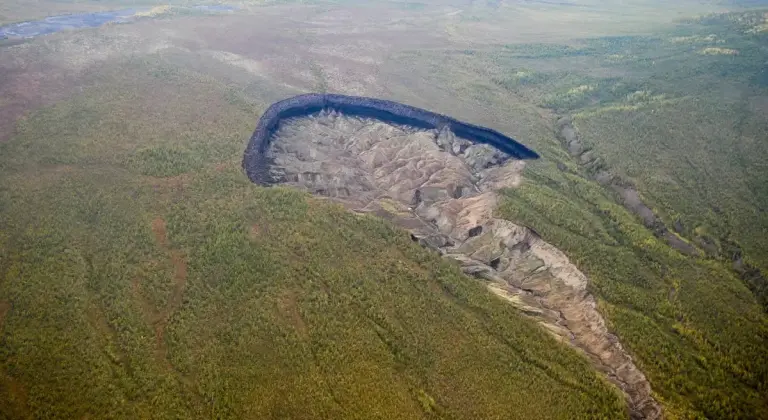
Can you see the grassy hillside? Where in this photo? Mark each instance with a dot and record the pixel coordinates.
(680, 115)
(683, 119)
(142, 276)
(695, 329)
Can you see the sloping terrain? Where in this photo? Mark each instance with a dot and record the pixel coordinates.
(692, 319)
(443, 188)
(143, 275)
(140, 272)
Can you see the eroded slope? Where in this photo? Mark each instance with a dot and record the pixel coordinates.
(142, 275)
(442, 189)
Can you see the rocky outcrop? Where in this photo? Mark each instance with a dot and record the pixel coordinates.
(442, 188)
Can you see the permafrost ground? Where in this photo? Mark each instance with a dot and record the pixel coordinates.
(442, 189)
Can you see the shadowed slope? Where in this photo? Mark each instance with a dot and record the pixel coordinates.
(255, 163)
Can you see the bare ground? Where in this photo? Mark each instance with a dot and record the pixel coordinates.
(159, 317)
(442, 189)
(272, 52)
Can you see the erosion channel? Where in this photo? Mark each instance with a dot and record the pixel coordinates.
(442, 188)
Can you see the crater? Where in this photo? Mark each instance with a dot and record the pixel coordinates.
(441, 187)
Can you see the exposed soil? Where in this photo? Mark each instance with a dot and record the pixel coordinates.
(10, 388)
(288, 308)
(442, 189)
(17, 405)
(160, 232)
(159, 317)
(5, 307)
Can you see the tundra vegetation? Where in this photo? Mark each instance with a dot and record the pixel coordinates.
(685, 123)
(143, 275)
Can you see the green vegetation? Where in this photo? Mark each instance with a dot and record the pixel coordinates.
(142, 275)
(683, 121)
(164, 161)
(696, 330)
(687, 129)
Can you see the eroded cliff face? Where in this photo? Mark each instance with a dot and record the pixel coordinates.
(443, 190)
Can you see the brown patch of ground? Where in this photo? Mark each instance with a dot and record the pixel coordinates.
(15, 398)
(159, 230)
(254, 232)
(5, 306)
(159, 317)
(288, 308)
(12, 392)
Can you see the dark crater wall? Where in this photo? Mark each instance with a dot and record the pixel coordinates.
(256, 163)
